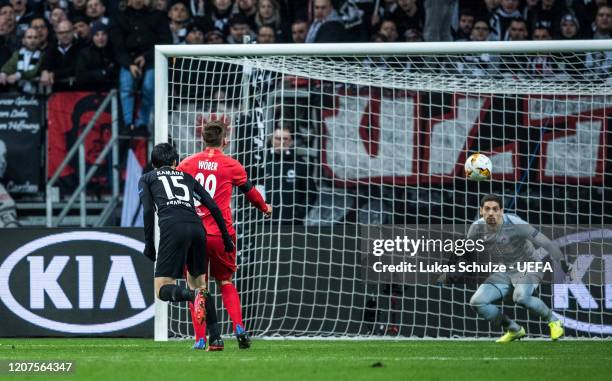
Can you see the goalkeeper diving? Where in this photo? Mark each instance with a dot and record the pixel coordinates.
(509, 239)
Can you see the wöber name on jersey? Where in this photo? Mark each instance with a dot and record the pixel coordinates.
(208, 165)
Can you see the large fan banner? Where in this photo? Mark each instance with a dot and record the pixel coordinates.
(410, 138)
(69, 115)
(20, 142)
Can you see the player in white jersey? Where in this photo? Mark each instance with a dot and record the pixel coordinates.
(507, 240)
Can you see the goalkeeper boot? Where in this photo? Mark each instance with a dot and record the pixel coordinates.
(244, 340)
(199, 305)
(215, 344)
(511, 336)
(556, 329)
(199, 344)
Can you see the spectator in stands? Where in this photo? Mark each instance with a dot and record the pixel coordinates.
(530, 12)
(239, 30)
(23, 15)
(491, 6)
(96, 69)
(214, 37)
(77, 8)
(413, 35)
(502, 18)
(288, 183)
(20, 71)
(248, 9)
(179, 17)
(195, 34)
(57, 16)
(573, 63)
(50, 5)
(438, 18)
(40, 25)
(544, 65)
(516, 65)
(466, 23)
(9, 41)
(518, 30)
(570, 29)
(483, 64)
(268, 13)
(480, 31)
(220, 15)
(389, 30)
(326, 26)
(586, 11)
(199, 8)
(549, 15)
(603, 23)
(82, 29)
(266, 35)
(134, 33)
(299, 31)
(59, 67)
(6, 50)
(384, 11)
(408, 15)
(160, 5)
(599, 64)
(96, 10)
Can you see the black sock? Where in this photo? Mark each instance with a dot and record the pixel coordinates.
(211, 318)
(174, 293)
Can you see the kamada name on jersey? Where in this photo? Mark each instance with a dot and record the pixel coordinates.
(208, 165)
(169, 173)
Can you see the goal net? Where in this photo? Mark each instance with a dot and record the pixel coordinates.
(379, 134)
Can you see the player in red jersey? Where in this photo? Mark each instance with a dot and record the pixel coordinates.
(218, 174)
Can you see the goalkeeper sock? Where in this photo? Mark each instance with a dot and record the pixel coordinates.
(211, 318)
(198, 329)
(231, 301)
(174, 293)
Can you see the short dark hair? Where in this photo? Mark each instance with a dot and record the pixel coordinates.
(213, 133)
(163, 154)
(467, 12)
(494, 198)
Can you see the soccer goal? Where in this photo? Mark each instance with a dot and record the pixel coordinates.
(381, 132)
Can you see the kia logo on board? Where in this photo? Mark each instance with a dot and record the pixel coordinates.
(76, 281)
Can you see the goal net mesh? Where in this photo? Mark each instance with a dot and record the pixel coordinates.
(381, 140)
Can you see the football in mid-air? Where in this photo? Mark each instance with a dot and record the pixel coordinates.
(478, 167)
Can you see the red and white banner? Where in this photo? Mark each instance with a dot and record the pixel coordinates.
(425, 138)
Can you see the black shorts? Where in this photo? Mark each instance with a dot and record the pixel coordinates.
(180, 245)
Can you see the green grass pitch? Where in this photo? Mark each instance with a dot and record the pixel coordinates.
(138, 359)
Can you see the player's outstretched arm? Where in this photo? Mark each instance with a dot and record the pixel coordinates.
(204, 198)
(149, 218)
(255, 198)
(540, 240)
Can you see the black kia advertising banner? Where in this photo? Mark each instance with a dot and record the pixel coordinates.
(67, 282)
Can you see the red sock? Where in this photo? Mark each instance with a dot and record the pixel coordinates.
(199, 329)
(231, 301)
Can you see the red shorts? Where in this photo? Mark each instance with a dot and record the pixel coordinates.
(222, 264)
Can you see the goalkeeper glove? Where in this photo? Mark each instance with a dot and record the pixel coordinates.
(568, 269)
(228, 243)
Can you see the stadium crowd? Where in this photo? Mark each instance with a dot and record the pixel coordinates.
(49, 46)
(98, 44)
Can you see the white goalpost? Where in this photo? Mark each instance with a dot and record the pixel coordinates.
(381, 132)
